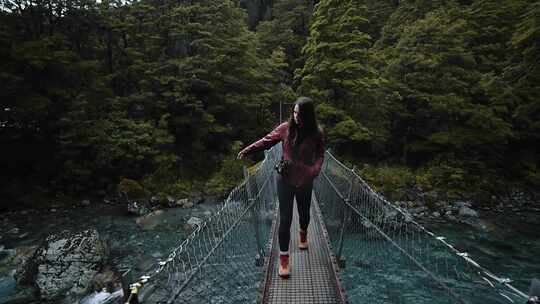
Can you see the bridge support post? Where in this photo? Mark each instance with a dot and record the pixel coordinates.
(125, 281)
(259, 257)
(344, 219)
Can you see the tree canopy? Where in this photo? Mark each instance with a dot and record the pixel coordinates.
(161, 91)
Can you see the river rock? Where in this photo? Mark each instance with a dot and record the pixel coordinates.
(193, 222)
(85, 202)
(14, 230)
(462, 204)
(151, 220)
(138, 208)
(188, 205)
(467, 212)
(181, 202)
(436, 214)
(390, 214)
(67, 262)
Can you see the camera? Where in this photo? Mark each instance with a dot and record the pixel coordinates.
(282, 166)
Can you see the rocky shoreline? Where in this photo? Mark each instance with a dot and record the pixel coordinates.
(517, 202)
(66, 266)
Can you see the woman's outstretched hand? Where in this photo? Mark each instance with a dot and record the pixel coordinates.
(241, 155)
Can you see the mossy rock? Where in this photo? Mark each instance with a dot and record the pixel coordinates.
(132, 189)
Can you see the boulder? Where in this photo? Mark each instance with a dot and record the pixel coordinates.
(467, 212)
(152, 220)
(390, 214)
(67, 263)
(188, 205)
(462, 204)
(193, 222)
(182, 202)
(14, 230)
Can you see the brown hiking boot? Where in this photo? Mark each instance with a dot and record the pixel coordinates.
(284, 266)
(302, 242)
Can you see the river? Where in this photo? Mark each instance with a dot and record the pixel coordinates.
(507, 244)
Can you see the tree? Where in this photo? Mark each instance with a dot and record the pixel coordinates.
(338, 69)
(437, 77)
(525, 80)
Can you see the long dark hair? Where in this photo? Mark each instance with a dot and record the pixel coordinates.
(309, 127)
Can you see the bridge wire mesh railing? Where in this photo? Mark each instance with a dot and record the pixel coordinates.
(387, 257)
(221, 260)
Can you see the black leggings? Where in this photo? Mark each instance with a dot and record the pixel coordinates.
(286, 194)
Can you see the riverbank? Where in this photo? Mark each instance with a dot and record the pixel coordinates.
(134, 243)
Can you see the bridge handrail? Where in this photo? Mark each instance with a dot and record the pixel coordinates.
(136, 287)
(463, 255)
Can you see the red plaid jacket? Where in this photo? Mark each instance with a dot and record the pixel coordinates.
(310, 156)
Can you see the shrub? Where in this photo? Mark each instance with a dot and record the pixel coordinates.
(393, 182)
(132, 189)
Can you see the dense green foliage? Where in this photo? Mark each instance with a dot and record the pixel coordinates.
(441, 87)
(446, 92)
(154, 91)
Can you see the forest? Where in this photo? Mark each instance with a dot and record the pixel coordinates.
(437, 95)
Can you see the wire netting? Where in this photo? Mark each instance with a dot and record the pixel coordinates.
(222, 259)
(387, 257)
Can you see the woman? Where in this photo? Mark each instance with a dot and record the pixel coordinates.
(303, 149)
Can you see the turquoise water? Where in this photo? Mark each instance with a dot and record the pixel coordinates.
(7, 285)
(507, 245)
(131, 247)
(376, 271)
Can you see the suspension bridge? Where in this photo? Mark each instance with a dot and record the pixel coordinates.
(363, 249)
